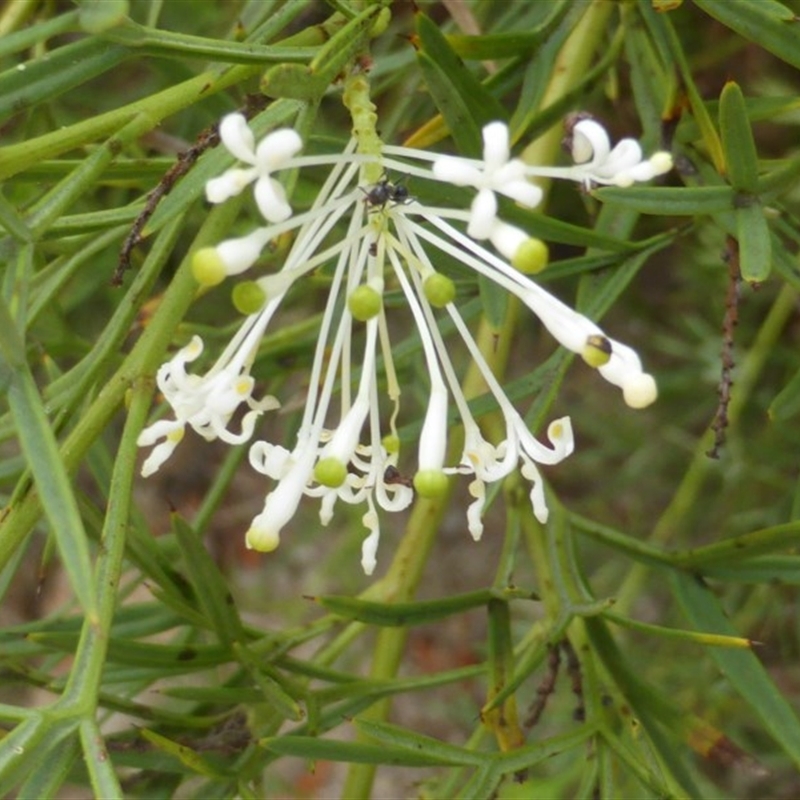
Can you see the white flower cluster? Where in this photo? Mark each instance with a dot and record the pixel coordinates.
(346, 453)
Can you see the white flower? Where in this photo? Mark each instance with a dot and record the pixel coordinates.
(274, 152)
(206, 403)
(496, 173)
(350, 452)
(596, 162)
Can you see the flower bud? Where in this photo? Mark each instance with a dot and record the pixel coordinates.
(248, 297)
(364, 303)
(531, 256)
(330, 472)
(439, 290)
(431, 483)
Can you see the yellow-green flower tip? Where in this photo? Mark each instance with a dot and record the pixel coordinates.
(597, 350)
(364, 303)
(531, 257)
(439, 290)
(248, 297)
(391, 443)
(430, 483)
(261, 539)
(330, 472)
(207, 267)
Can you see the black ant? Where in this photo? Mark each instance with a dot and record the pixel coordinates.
(384, 191)
(393, 476)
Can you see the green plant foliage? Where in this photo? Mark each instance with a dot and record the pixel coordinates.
(643, 642)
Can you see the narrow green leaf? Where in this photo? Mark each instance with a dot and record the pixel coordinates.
(746, 545)
(507, 45)
(741, 668)
(663, 784)
(66, 67)
(768, 23)
(40, 448)
(48, 782)
(395, 736)
(461, 98)
(13, 222)
(38, 33)
(407, 614)
(216, 695)
(28, 746)
(210, 587)
(786, 404)
(552, 229)
(501, 716)
(707, 639)
(663, 31)
(157, 42)
(159, 657)
(633, 546)
(312, 747)
(188, 757)
(738, 145)
(483, 783)
(531, 754)
(277, 691)
(670, 200)
(755, 243)
(775, 570)
(782, 178)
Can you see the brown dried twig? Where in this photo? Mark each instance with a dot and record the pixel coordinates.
(545, 688)
(730, 320)
(207, 139)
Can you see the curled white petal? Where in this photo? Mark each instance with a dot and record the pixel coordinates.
(369, 547)
(590, 142)
(537, 498)
(477, 489)
(269, 459)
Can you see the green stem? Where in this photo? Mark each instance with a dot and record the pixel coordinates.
(19, 157)
(83, 684)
